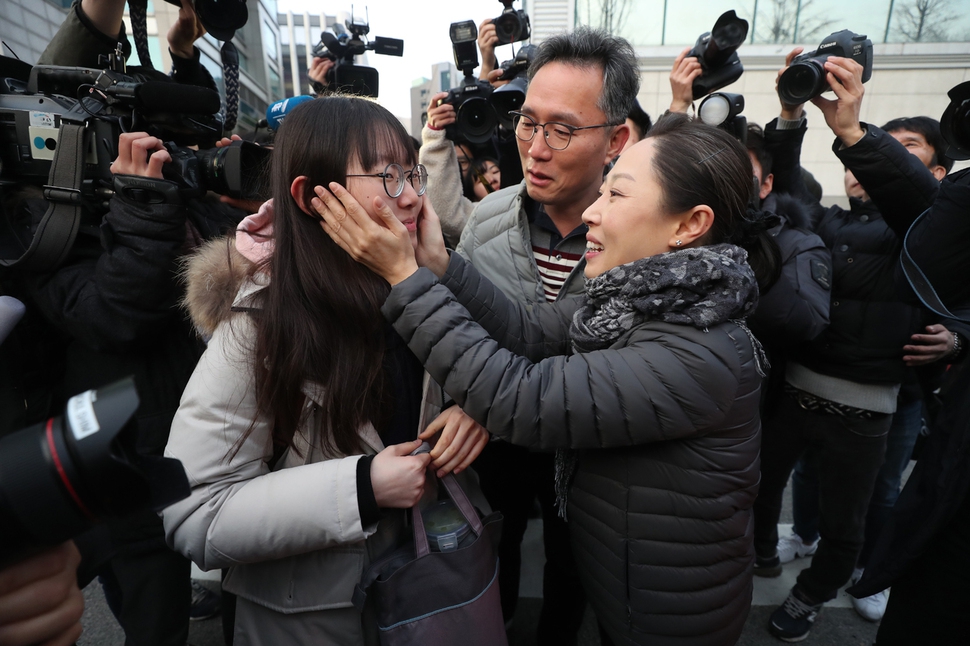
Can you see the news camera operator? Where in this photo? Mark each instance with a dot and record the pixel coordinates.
(114, 302)
(841, 387)
(94, 28)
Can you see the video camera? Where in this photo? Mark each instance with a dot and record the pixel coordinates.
(955, 122)
(61, 476)
(805, 77)
(513, 25)
(38, 101)
(341, 47)
(717, 52)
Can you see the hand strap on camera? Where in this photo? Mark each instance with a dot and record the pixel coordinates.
(920, 283)
(58, 228)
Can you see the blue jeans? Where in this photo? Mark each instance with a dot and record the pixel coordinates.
(899, 447)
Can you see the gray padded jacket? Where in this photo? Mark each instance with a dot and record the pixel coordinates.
(667, 430)
(497, 241)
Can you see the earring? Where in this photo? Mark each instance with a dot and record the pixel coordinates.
(678, 243)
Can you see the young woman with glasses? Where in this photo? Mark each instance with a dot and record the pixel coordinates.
(296, 427)
(647, 386)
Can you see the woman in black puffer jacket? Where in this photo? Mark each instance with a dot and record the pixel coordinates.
(647, 387)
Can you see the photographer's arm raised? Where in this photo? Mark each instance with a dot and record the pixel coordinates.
(685, 71)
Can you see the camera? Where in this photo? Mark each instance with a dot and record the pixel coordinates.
(513, 25)
(805, 77)
(475, 120)
(717, 52)
(342, 46)
(955, 122)
(237, 170)
(59, 477)
(723, 109)
(512, 95)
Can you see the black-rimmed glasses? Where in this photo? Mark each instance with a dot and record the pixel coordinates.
(558, 135)
(394, 176)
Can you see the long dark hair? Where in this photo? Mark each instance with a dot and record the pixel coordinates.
(700, 164)
(319, 320)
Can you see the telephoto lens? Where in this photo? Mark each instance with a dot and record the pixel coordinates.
(805, 78)
(59, 477)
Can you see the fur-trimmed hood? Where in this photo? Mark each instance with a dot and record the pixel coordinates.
(213, 275)
(791, 208)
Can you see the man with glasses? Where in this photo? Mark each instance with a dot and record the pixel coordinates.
(530, 240)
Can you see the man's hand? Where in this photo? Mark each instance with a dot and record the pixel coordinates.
(140, 154)
(186, 30)
(685, 70)
(487, 40)
(40, 602)
(936, 344)
(440, 116)
(844, 76)
(790, 112)
(247, 206)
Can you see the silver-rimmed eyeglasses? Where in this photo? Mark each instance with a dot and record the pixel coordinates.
(558, 135)
(394, 177)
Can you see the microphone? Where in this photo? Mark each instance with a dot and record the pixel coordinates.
(182, 98)
(276, 112)
(11, 311)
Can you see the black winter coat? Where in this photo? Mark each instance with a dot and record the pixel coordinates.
(869, 325)
(666, 425)
(940, 483)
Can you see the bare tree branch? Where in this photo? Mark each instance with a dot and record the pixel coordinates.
(785, 17)
(924, 20)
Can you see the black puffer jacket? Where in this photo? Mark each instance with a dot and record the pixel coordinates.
(667, 430)
(868, 324)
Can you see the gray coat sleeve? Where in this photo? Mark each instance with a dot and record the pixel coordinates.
(656, 385)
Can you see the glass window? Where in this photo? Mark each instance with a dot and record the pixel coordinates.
(934, 21)
(275, 85)
(688, 20)
(215, 69)
(269, 41)
(445, 80)
(270, 6)
(809, 21)
(154, 50)
(639, 21)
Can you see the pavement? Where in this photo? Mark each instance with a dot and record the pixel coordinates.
(837, 625)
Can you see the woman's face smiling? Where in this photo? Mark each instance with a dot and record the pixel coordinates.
(626, 222)
(406, 206)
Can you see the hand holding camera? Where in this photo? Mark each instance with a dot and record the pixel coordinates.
(789, 112)
(487, 41)
(186, 30)
(140, 154)
(844, 75)
(685, 70)
(440, 114)
(39, 599)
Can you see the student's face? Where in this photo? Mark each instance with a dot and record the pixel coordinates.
(764, 183)
(406, 206)
(626, 222)
(567, 94)
(853, 188)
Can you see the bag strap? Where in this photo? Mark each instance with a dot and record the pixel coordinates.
(464, 505)
(919, 282)
(58, 228)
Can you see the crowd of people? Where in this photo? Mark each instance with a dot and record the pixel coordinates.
(637, 329)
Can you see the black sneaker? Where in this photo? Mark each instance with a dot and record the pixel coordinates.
(769, 567)
(794, 619)
(205, 602)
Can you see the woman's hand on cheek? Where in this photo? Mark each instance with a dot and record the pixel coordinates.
(384, 248)
(430, 251)
(462, 440)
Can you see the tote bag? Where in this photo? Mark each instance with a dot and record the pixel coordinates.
(421, 597)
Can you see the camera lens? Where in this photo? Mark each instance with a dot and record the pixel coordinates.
(801, 82)
(507, 28)
(476, 120)
(235, 170)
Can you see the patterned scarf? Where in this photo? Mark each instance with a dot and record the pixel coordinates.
(700, 286)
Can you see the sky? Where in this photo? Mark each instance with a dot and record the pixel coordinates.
(422, 26)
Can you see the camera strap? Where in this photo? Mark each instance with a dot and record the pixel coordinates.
(920, 283)
(54, 237)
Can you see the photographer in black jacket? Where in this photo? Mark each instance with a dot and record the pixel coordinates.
(115, 300)
(842, 386)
